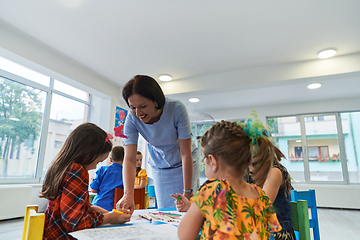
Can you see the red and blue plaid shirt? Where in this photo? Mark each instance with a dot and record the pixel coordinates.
(70, 211)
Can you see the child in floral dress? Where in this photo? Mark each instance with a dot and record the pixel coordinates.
(226, 206)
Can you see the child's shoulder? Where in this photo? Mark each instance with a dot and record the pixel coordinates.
(76, 167)
(211, 181)
(214, 185)
(262, 196)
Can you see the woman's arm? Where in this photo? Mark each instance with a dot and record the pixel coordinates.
(191, 223)
(129, 171)
(273, 183)
(187, 164)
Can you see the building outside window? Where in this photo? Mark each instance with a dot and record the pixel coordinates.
(320, 147)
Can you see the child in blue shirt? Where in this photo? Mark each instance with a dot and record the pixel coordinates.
(107, 179)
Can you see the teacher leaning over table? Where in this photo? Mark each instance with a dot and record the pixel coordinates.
(165, 125)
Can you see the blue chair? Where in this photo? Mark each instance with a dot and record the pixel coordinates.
(151, 193)
(309, 196)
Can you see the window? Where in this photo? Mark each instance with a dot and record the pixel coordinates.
(321, 118)
(285, 131)
(331, 152)
(23, 72)
(350, 122)
(22, 110)
(32, 131)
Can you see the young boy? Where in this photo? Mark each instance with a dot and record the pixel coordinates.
(107, 179)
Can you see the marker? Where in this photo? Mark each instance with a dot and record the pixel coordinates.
(170, 214)
(117, 211)
(177, 199)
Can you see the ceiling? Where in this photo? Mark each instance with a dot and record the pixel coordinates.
(224, 52)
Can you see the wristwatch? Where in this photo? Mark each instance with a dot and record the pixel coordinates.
(188, 191)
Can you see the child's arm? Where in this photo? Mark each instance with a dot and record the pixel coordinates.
(181, 202)
(116, 218)
(191, 223)
(142, 184)
(272, 184)
(98, 209)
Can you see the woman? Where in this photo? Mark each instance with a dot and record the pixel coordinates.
(164, 123)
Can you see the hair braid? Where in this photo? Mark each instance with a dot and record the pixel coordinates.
(227, 141)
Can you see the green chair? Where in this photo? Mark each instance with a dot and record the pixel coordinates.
(309, 196)
(300, 218)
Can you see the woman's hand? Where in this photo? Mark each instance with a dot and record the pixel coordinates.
(126, 202)
(116, 218)
(183, 204)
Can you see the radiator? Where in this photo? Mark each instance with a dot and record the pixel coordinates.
(13, 200)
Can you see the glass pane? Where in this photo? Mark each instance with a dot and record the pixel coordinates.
(198, 129)
(351, 131)
(21, 116)
(60, 86)
(323, 149)
(286, 134)
(24, 72)
(65, 115)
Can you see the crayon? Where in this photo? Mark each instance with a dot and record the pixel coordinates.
(177, 199)
(117, 211)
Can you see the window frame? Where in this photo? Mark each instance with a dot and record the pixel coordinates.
(49, 90)
(340, 138)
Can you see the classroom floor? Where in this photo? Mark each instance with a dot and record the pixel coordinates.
(335, 224)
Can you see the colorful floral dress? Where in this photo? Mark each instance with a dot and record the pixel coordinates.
(229, 216)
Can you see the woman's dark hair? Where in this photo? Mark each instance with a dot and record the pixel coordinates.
(84, 144)
(145, 86)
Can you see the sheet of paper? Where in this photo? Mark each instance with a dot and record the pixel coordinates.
(130, 232)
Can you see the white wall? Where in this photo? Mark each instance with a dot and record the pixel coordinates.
(338, 196)
(23, 50)
(20, 49)
(334, 196)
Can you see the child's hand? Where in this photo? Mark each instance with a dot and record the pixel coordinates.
(116, 218)
(120, 218)
(183, 204)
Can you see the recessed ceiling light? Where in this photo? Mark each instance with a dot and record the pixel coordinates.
(194, 100)
(314, 85)
(14, 119)
(165, 78)
(328, 53)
